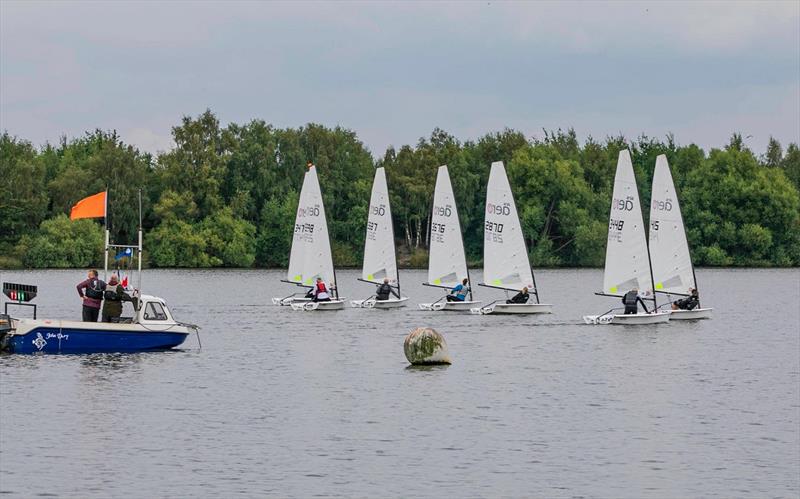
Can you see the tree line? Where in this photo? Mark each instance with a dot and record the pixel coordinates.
(227, 196)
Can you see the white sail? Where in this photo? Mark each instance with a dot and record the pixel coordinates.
(505, 256)
(311, 248)
(669, 249)
(379, 252)
(447, 265)
(627, 260)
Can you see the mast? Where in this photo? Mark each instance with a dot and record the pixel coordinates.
(647, 245)
(394, 246)
(105, 253)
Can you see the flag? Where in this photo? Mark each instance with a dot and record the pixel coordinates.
(122, 254)
(92, 207)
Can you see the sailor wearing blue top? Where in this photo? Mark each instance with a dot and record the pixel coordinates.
(459, 293)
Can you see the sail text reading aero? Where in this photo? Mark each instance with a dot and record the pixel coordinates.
(379, 210)
(622, 204)
(309, 211)
(498, 209)
(443, 211)
(665, 205)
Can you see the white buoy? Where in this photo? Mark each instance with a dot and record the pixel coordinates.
(425, 346)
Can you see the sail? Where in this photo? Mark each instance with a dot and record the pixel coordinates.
(447, 265)
(379, 255)
(627, 260)
(669, 249)
(505, 257)
(311, 249)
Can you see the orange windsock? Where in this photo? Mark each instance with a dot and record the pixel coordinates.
(92, 207)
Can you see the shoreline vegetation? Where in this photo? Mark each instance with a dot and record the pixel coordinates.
(227, 196)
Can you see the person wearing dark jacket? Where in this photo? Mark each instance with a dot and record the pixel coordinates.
(114, 296)
(91, 293)
(631, 301)
(521, 297)
(689, 303)
(384, 290)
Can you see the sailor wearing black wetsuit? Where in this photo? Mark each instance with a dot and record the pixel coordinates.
(384, 290)
(689, 303)
(630, 300)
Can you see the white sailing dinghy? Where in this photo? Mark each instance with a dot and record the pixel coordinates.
(447, 263)
(627, 257)
(673, 272)
(380, 259)
(505, 255)
(311, 250)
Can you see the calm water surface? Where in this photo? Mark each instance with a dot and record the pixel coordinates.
(296, 404)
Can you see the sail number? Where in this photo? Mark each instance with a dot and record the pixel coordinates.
(437, 228)
(304, 228)
(654, 225)
(493, 231)
(622, 204)
(372, 230)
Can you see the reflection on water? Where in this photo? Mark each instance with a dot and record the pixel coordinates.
(297, 404)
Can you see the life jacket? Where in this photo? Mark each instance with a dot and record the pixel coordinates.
(321, 287)
(383, 291)
(630, 298)
(95, 289)
(111, 294)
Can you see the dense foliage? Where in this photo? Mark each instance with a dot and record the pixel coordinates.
(226, 196)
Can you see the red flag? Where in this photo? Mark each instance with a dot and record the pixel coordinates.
(93, 206)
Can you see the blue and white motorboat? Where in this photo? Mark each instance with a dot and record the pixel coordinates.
(152, 328)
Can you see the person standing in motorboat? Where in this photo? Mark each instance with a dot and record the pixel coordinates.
(113, 297)
(321, 291)
(384, 290)
(91, 293)
(460, 292)
(631, 301)
(521, 297)
(689, 303)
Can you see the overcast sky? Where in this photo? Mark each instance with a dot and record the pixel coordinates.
(392, 72)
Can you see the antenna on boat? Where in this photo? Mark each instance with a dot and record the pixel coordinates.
(105, 222)
(139, 257)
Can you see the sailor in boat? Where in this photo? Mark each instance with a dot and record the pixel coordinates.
(384, 290)
(91, 292)
(113, 297)
(521, 297)
(321, 291)
(460, 292)
(631, 301)
(689, 303)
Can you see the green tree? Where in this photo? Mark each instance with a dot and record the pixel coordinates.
(63, 243)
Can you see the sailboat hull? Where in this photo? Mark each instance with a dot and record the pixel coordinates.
(689, 315)
(450, 306)
(640, 319)
(382, 304)
(517, 309)
(320, 305)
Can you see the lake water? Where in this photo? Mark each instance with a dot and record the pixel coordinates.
(298, 404)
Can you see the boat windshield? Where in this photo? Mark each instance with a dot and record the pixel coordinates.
(154, 312)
